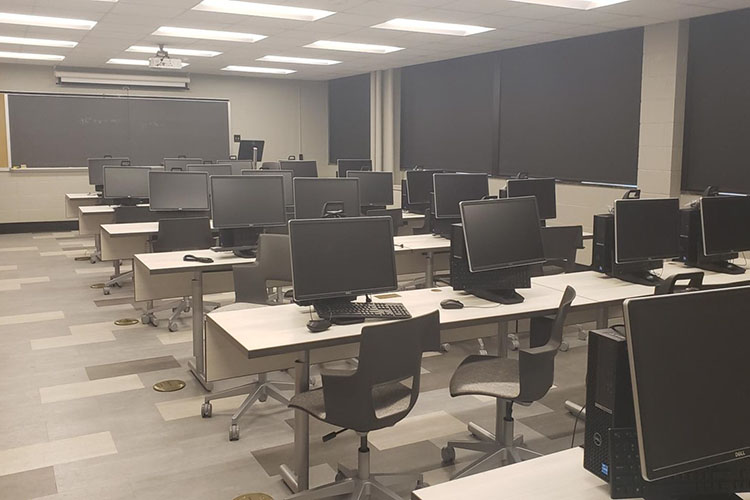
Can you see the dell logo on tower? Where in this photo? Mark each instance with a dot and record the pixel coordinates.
(739, 454)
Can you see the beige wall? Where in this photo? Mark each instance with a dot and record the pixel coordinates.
(291, 115)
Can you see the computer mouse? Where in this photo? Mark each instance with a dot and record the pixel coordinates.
(318, 325)
(452, 304)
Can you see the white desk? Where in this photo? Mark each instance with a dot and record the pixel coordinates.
(75, 200)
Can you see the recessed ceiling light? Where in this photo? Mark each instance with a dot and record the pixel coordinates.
(142, 49)
(432, 27)
(134, 62)
(41, 42)
(299, 60)
(46, 22)
(227, 36)
(353, 47)
(574, 4)
(254, 69)
(33, 57)
(263, 10)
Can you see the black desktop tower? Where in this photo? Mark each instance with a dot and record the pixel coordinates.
(603, 256)
(404, 196)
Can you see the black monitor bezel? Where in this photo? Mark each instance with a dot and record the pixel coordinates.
(329, 180)
(539, 180)
(118, 159)
(179, 209)
(236, 177)
(289, 165)
(713, 199)
(652, 258)
(367, 173)
(289, 203)
(437, 215)
(106, 195)
(209, 165)
(409, 191)
(342, 173)
(251, 143)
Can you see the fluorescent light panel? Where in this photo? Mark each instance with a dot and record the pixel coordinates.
(226, 36)
(574, 4)
(46, 22)
(353, 47)
(31, 57)
(299, 60)
(263, 10)
(254, 69)
(142, 49)
(134, 62)
(432, 27)
(40, 42)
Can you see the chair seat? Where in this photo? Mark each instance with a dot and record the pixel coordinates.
(487, 376)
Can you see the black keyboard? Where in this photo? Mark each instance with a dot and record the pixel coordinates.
(362, 310)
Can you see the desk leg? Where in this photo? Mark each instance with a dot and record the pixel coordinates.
(602, 318)
(502, 339)
(301, 480)
(97, 255)
(429, 277)
(198, 369)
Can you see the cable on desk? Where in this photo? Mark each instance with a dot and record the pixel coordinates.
(575, 426)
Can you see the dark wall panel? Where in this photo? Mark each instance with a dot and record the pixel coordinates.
(349, 118)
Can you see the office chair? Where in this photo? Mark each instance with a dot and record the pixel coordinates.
(123, 215)
(524, 380)
(193, 233)
(396, 215)
(381, 392)
(270, 165)
(251, 281)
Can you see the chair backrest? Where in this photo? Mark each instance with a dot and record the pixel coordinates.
(192, 233)
(561, 243)
(270, 165)
(396, 215)
(273, 263)
(537, 365)
(125, 214)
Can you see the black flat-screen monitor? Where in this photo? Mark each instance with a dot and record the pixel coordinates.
(95, 166)
(342, 258)
(419, 186)
(542, 189)
(288, 186)
(301, 168)
(647, 229)
(375, 188)
(247, 201)
(311, 196)
(500, 234)
(211, 168)
(359, 165)
(180, 163)
(126, 182)
(725, 222)
(688, 360)
(451, 189)
(238, 165)
(246, 150)
(178, 191)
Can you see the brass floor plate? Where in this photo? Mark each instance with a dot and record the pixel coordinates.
(97, 285)
(126, 322)
(172, 386)
(253, 496)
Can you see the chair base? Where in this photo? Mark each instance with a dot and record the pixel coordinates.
(178, 307)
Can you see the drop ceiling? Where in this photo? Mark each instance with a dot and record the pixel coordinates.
(131, 22)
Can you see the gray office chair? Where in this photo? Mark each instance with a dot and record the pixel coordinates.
(192, 233)
(380, 393)
(251, 282)
(524, 380)
(270, 165)
(127, 214)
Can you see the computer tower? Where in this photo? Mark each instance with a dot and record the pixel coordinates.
(404, 195)
(603, 256)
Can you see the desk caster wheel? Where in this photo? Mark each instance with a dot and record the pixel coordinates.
(206, 410)
(234, 432)
(448, 454)
(445, 347)
(515, 344)
(92, 259)
(106, 290)
(564, 347)
(173, 327)
(145, 319)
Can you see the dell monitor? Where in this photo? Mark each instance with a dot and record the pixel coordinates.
(180, 164)
(451, 189)
(246, 150)
(301, 168)
(126, 185)
(211, 169)
(725, 226)
(95, 166)
(375, 188)
(419, 186)
(319, 198)
(288, 186)
(542, 189)
(238, 165)
(178, 191)
(345, 166)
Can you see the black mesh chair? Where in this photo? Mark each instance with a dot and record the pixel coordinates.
(380, 393)
(510, 381)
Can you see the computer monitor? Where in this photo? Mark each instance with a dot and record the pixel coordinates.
(178, 191)
(301, 168)
(95, 165)
(542, 189)
(246, 150)
(359, 165)
(341, 258)
(127, 185)
(420, 185)
(247, 201)
(725, 222)
(311, 196)
(288, 187)
(375, 188)
(180, 163)
(647, 230)
(211, 169)
(451, 189)
(238, 165)
(688, 357)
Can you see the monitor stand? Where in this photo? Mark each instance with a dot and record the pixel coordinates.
(722, 266)
(245, 253)
(128, 202)
(715, 496)
(500, 296)
(644, 277)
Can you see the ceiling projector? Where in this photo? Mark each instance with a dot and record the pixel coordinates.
(163, 61)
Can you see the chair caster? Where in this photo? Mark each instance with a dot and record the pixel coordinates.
(92, 259)
(234, 432)
(448, 454)
(173, 327)
(340, 476)
(154, 321)
(263, 398)
(515, 343)
(206, 410)
(187, 309)
(564, 347)
(106, 290)
(445, 347)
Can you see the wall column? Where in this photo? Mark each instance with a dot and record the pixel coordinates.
(385, 120)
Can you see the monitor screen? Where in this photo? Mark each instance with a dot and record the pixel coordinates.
(126, 182)
(301, 168)
(180, 163)
(211, 169)
(95, 165)
(419, 186)
(247, 201)
(375, 188)
(688, 360)
(359, 165)
(178, 191)
(288, 187)
(542, 189)
(647, 229)
(311, 195)
(501, 233)
(726, 224)
(451, 189)
(342, 257)
(246, 150)
(238, 165)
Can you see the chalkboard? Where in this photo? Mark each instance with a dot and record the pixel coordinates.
(59, 130)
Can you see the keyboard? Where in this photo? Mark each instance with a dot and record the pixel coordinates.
(362, 310)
